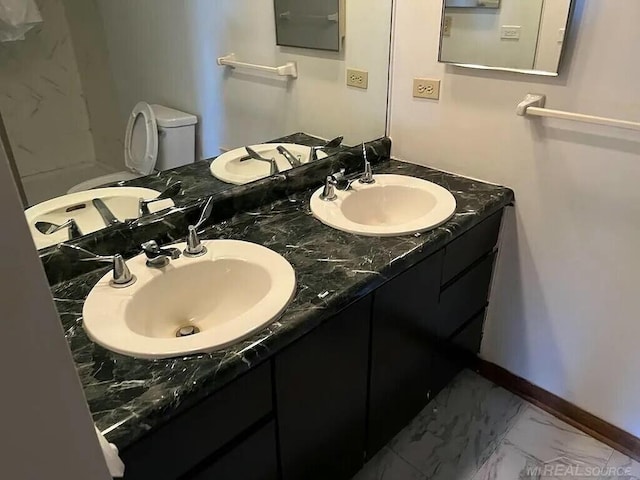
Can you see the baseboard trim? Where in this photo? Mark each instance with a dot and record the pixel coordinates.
(590, 424)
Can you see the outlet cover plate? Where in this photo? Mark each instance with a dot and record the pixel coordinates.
(357, 78)
(426, 88)
(448, 24)
(510, 32)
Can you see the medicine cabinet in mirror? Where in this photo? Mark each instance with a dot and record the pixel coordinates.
(525, 36)
(310, 24)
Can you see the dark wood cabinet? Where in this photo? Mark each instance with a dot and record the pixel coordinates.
(254, 458)
(471, 246)
(184, 443)
(321, 395)
(403, 314)
(465, 298)
(338, 394)
(414, 349)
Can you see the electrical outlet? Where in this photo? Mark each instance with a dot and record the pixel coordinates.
(510, 32)
(448, 23)
(358, 78)
(426, 88)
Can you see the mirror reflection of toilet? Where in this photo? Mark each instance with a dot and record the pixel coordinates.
(157, 138)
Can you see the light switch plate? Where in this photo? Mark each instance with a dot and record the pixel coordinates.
(426, 88)
(561, 33)
(357, 78)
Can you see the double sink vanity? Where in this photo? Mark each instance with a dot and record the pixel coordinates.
(287, 328)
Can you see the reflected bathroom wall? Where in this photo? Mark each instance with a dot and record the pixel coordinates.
(526, 35)
(476, 38)
(69, 88)
(165, 52)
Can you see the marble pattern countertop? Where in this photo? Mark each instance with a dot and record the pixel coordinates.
(197, 180)
(170, 226)
(129, 397)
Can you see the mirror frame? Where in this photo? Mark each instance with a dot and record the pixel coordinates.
(540, 73)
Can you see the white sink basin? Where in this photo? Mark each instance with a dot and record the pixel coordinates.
(393, 205)
(228, 167)
(122, 201)
(234, 290)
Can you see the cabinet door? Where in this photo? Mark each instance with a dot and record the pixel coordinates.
(321, 396)
(253, 459)
(186, 441)
(401, 355)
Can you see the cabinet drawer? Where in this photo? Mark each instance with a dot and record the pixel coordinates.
(252, 459)
(176, 448)
(464, 298)
(469, 338)
(471, 246)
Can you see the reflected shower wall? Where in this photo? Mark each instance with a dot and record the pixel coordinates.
(44, 108)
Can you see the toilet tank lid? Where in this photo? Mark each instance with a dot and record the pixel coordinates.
(170, 118)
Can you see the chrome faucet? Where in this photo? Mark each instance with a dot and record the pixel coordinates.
(290, 157)
(159, 257)
(122, 276)
(194, 245)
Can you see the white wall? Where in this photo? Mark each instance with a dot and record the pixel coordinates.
(165, 52)
(565, 304)
(551, 39)
(476, 35)
(46, 425)
(41, 97)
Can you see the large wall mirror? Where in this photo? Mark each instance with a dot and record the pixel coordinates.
(526, 36)
(101, 92)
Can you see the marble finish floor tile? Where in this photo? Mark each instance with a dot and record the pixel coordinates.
(45, 186)
(511, 463)
(549, 439)
(386, 465)
(457, 432)
(621, 467)
(474, 430)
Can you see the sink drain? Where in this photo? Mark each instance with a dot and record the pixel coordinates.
(187, 331)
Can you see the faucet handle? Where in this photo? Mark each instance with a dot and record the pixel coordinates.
(206, 213)
(170, 192)
(194, 245)
(329, 192)
(122, 276)
(367, 177)
(159, 257)
(152, 250)
(273, 164)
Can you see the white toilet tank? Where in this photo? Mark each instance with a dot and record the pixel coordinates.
(176, 137)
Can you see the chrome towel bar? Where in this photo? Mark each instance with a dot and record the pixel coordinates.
(533, 105)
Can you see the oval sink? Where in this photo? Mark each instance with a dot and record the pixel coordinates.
(122, 201)
(232, 167)
(393, 205)
(193, 305)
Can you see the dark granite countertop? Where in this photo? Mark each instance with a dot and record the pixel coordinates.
(170, 226)
(129, 397)
(196, 178)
